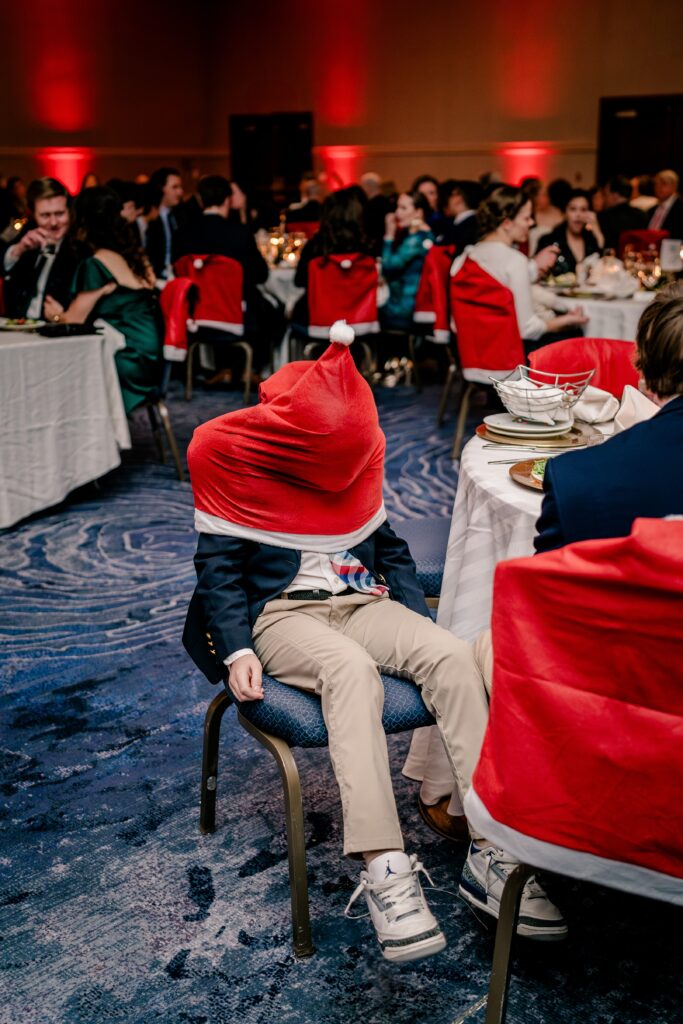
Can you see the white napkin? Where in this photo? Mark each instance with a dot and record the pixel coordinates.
(634, 408)
(595, 406)
(519, 398)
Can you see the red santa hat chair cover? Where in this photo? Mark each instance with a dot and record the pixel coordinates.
(581, 769)
(175, 306)
(432, 307)
(304, 468)
(219, 282)
(342, 287)
(612, 360)
(488, 340)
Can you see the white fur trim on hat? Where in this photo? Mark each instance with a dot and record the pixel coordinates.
(342, 333)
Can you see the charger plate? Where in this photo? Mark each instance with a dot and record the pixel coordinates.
(578, 437)
(521, 474)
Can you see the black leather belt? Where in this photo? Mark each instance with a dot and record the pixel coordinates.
(315, 595)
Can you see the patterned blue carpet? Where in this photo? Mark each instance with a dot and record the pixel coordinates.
(115, 909)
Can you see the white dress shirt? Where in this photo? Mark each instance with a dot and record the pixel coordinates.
(35, 307)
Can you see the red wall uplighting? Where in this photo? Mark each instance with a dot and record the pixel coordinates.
(68, 165)
(341, 164)
(525, 159)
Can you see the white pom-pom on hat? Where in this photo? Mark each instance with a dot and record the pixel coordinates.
(346, 264)
(197, 263)
(342, 333)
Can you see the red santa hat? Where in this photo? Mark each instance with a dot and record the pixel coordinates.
(304, 468)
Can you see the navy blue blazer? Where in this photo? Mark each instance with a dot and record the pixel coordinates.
(598, 492)
(236, 578)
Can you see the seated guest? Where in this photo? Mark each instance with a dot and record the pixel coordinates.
(309, 208)
(504, 220)
(546, 216)
(460, 210)
(428, 186)
(17, 193)
(342, 230)
(668, 215)
(43, 259)
(116, 283)
(577, 237)
(407, 237)
(320, 595)
(643, 193)
(377, 207)
(127, 191)
(160, 232)
(213, 232)
(599, 492)
(618, 214)
(148, 201)
(89, 180)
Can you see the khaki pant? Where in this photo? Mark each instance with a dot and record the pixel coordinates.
(335, 648)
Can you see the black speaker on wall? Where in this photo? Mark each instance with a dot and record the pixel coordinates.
(265, 147)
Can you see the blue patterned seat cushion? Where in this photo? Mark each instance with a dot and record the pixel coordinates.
(427, 540)
(297, 717)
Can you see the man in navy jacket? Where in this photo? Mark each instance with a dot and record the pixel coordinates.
(598, 492)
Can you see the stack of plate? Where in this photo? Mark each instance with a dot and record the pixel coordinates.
(507, 426)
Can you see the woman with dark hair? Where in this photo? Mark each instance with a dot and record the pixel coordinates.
(504, 220)
(577, 236)
(342, 230)
(116, 283)
(407, 238)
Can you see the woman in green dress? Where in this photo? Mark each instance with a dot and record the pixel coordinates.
(116, 283)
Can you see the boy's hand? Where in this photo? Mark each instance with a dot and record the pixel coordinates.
(245, 678)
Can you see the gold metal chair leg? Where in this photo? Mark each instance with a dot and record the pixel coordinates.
(170, 437)
(294, 812)
(248, 366)
(188, 370)
(496, 1008)
(446, 393)
(156, 432)
(212, 735)
(462, 419)
(413, 357)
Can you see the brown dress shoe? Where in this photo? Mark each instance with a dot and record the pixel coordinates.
(444, 824)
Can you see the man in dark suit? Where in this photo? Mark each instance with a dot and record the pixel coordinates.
(668, 215)
(43, 259)
(618, 214)
(461, 211)
(299, 575)
(599, 492)
(160, 232)
(215, 232)
(376, 210)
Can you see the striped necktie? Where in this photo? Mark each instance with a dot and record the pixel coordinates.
(355, 575)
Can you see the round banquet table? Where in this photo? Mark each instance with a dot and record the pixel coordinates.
(494, 518)
(609, 318)
(62, 421)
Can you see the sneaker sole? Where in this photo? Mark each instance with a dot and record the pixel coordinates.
(418, 950)
(547, 933)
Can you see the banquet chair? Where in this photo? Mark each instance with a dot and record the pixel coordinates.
(612, 360)
(219, 309)
(640, 239)
(289, 718)
(588, 645)
(487, 336)
(342, 287)
(432, 312)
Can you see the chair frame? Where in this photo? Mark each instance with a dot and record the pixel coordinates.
(496, 1004)
(158, 410)
(294, 811)
(236, 343)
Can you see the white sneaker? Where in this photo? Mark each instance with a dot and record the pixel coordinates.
(483, 878)
(406, 928)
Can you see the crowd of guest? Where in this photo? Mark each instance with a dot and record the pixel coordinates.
(101, 253)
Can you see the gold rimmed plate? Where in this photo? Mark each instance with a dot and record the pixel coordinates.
(576, 437)
(521, 474)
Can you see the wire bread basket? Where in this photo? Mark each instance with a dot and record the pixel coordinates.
(538, 396)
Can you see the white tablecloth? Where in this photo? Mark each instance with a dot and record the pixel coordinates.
(62, 420)
(608, 318)
(280, 283)
(494, 518)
